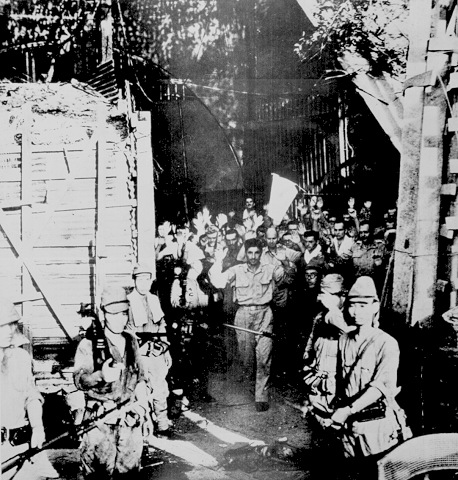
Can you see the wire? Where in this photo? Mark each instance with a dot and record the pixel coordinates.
(411, 255)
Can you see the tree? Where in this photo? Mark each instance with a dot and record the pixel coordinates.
(370, 29)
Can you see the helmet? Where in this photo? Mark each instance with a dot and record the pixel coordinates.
(8, 313)
(114, 300)
(142, 268)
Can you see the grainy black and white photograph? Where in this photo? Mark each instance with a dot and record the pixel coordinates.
(228, 244)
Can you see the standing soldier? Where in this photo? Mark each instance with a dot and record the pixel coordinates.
(372, 421)
(21, 402)
(146, 316)
(368, 258)
(254, 284)
(109, 371)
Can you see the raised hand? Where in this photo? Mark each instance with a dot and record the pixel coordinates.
(221, 220)
(257, 221)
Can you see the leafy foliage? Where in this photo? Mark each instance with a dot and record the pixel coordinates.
(47, 23)
(372, 29)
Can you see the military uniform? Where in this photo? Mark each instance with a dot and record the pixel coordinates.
(369, 360)
(146, 316)
(114, 447)
(369, 260)
(21, 402)
(253, 292)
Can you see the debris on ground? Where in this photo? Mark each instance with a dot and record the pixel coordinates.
(278, 456)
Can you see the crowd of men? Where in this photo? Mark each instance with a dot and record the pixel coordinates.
(197, 261)
(297, 302)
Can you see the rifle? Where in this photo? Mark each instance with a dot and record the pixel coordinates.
(77, 430)
(248, 330)
(95, 333)
(144, 337)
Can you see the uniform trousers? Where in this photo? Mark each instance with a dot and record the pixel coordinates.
(255, 351)
(111, 449)
(156, 370)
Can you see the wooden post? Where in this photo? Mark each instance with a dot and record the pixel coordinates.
(429, 190)
(343, 140)
(405, 245)
(27, 287)
(146, 211)
(106, 31)
(100, 240)
(185, 161)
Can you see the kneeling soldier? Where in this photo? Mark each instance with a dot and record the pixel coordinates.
(114, 447)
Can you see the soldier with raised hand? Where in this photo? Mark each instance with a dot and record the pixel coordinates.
(254, 284)
(113, 448)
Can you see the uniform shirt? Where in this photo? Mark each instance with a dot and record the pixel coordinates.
(145, 313)
(363, 257)
(119, 390)
(316, 252)
(281, 292)
(251, 288)
(18, 387)
(369, 358)
(344, 249)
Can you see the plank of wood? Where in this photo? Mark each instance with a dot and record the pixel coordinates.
(27, 287)
(443, 44)
(145, 192)
(449, 189)
(44, 287)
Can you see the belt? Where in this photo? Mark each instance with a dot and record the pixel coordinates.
(16, 436)
(101, 405)
(254, 307)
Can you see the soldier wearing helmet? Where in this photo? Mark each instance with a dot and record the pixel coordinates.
(114, 447)
(146, 316)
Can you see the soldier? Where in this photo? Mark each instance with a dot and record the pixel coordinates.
(146, 316)
(109, 371)
(254, 283)
(372, 420)
(21, 402)
(369, 259)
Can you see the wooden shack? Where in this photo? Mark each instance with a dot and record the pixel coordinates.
(76, 201)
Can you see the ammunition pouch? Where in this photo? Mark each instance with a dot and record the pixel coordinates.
(376, 411)
(17, 436)
(315, 380)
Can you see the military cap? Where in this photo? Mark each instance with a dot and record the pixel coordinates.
(142, 267)
(8, 313)
(363, 287)
(114, 300)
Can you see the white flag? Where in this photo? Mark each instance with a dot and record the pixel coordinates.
(282, 194)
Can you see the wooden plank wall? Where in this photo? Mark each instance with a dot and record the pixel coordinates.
(62, 226)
